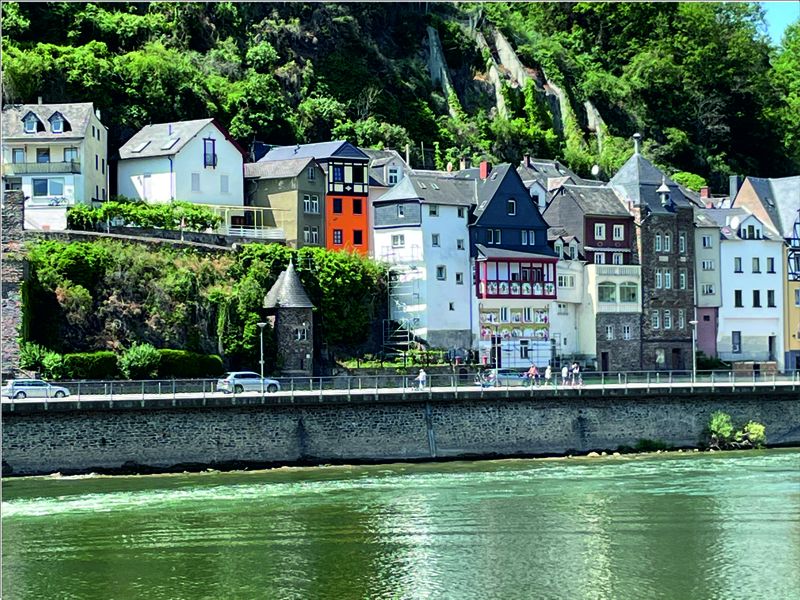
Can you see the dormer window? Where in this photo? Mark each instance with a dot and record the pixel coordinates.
(57, 125)
(559, 247)
(511, 207)
(394, 176)
(32, 123)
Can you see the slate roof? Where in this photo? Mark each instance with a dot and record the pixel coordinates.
(486, 188)
(724, 219)
(781, 199)
(638, 180)
(378, 159)
(432, 187)
(540, 168)
(276, 169)
(595, 200)
(77, 115)
(287, 291)
(159, 138)
(490, 253)
(321, 151)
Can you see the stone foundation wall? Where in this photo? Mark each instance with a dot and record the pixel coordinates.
(12, 276)
(72, 438)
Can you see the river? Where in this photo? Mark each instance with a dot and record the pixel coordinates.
(673, 526)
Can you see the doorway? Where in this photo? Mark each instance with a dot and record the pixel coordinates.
(604, 362)
(677, 359)
(771, 347)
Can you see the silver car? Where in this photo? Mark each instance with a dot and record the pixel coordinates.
(246, 381)
(33, 388)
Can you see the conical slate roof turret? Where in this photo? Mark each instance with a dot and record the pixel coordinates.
(287, 291)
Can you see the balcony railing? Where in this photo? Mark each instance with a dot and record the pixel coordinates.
(69, 166)
(261, 233)
(492, 288)
(619, 307)
(624, 270)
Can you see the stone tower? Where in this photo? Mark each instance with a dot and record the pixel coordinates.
(290, 313)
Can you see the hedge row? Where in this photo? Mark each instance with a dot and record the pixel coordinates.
(179, 364)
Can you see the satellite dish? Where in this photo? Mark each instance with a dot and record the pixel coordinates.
(595, 170)
(735, 223)
(449, 167)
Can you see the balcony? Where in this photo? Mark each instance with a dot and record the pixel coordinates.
(618, 270)
(274, 234)
(493, 288)
(44, 168)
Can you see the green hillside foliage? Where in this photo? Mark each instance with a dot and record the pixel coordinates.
(108, 295)
(701, 81)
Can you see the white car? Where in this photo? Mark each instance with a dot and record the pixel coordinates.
(33, 388)
(246, 381)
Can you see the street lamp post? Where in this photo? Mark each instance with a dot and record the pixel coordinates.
(261, 326)
(694, 350)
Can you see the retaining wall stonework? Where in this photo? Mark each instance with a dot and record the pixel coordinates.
(126, 436)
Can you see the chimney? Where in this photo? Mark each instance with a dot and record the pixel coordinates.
(637, 138)
(462, 164)
(39, 100)
(486, 168)
(528, 160)
(735, 182)
(704, 192)
(169, 129)
(97, 113)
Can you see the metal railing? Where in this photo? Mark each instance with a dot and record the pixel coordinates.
(35, 168)
(335, 389)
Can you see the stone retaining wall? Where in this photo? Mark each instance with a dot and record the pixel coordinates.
(126, 436)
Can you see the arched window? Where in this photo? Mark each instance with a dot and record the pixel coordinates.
(628, 292)
(607, 292)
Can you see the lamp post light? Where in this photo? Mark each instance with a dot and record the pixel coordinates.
(694, 350)
(261, 326)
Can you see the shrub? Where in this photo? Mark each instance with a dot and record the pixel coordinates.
(720, 427)
(181, 363)
(53, 366)
(753, 434)
(90, 365)
(140, 361)
(722, 436)
(31, 356)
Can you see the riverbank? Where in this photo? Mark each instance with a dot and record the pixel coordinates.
(136, 438)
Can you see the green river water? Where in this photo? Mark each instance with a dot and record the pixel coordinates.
(673, 526)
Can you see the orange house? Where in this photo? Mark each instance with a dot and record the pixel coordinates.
(346, 191)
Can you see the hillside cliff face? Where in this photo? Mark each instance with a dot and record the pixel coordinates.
(569, 81)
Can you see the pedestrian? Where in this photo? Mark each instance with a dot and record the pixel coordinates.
(422, 379)
(531, 375)
(536, 375)
(548, 373)
(564, 375)
(576, 375)
(573, 373)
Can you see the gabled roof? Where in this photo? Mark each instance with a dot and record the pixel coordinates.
(77, 114)
(287, 291)
(729, 219)
(431, 187)
(486, 188)
(378, 159)
(487, 252)
(780, 197)
(276, 169)
(321, 151)
(595, 200)
(167, 139)
(543, 169)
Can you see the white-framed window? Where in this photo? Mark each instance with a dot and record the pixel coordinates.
(707, 289)
(31, 123)
(311, 173)
(659, 279)
(616, 258)
(559, 248)
(493, 236)
(433, 210)
(737, 264)
(435, 240)
(681, 318)
(667, 319)
(18, 155)
(195, 182)
(398, 240)
(628, 292)
(599, 258)
(401, 211)
(338, 237)
(459, 278)
(682, 242)
(668, 279)
(682, 279)
(562, 308)
(441, 272)
(524, 237)
(609, 332)
(43, 187)
(531, 237)
(707, 265)
(300, 334)
(655, 321)
(527, 314)
(311, 235)
(619, 233)
(626, 332)
(524, 350)
(394, 176)
(57, 125)
(667, 242)
(511, 207)
(573, 251)
(43, 155)
(459, 244)
(504, 315)
(461, 212)
(658, 243)
(736, 342)
(311, 203)
(770, 264)
(707, 241)
(307, 235)
(223, 184)
(756, 265)
(607, 291)
(599, 231)
(566, 281)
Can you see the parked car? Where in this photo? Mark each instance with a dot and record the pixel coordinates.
(33, 388)
(246, 381)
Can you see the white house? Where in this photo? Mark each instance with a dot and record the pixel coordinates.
(421, 230)
(194, 161)
(751, 315)
(386, 169)
(57, 155)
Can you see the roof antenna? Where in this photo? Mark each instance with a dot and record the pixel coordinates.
(637, 138)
